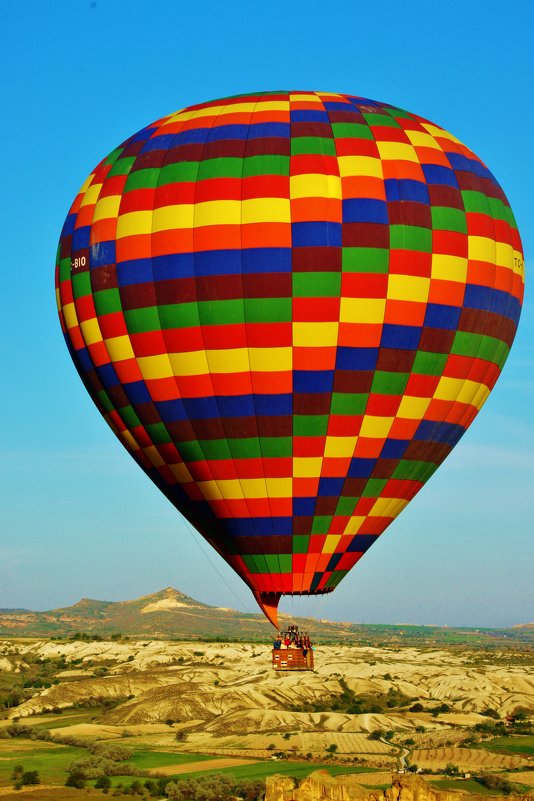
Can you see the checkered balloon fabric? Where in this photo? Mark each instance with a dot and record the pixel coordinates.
(289, 306)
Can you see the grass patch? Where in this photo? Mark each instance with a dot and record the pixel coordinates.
(517, 746)
(474, 786)
(51, 762)
(467, 785)
(377, 786)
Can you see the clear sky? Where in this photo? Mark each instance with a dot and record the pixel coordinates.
(78, 518)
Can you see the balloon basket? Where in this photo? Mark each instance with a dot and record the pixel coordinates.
(292, 659)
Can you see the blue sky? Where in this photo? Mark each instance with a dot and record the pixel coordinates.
(78, 517)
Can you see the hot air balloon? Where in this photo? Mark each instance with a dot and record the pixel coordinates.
(289, 307)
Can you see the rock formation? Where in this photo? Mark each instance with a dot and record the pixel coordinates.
(320, 786)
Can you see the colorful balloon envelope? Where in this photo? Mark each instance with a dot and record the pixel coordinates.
(289, 307)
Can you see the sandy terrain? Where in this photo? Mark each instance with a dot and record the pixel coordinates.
(100, 731)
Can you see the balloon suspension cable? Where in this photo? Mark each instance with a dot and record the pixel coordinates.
(240, 601)
(268, 603)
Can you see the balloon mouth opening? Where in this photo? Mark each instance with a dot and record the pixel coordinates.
(268, 602)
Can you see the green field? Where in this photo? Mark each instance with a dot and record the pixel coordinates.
(255, 770)
(50, 761)
(260, 770)
(467, 785)
(517, 746)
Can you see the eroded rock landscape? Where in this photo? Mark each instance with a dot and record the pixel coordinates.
(225, 698)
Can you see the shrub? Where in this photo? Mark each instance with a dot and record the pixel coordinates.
(117, 753)
(495, 782)
(19, 730)
(75, 779)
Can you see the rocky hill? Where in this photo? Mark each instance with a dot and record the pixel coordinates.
(170, 614)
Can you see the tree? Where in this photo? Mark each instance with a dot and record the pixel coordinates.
(439, 709)
(332, 748)
(103, 783)
(30, 777)
(521, 713)
(376, 734)
(490, 713)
